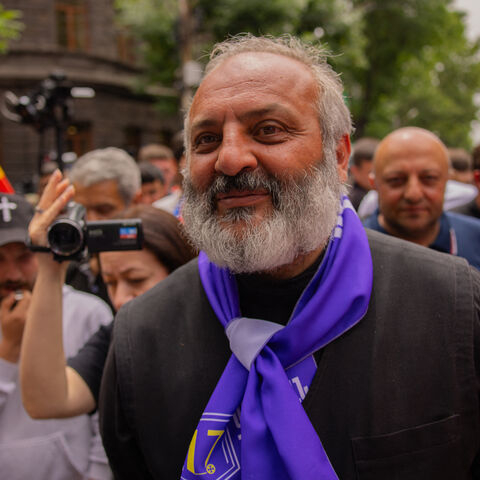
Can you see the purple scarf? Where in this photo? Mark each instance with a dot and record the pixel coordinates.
(272, 366)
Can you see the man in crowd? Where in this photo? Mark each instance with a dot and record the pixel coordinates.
(168, 161)
(296, 347)
(106, 182)
(460, 165)
(40, 449)
(163, 158)
(411, 171)
(153, 183)
(472, 208)
(361, 165)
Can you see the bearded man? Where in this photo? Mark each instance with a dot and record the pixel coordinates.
(296, 346)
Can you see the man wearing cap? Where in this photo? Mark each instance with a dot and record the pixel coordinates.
(41, 449)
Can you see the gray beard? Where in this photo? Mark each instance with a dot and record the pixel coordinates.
(303, 216)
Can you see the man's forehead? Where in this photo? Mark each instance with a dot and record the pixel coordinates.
(108, 190)
(252, 63)
(256, 68)
(406, 150)
(246, 73)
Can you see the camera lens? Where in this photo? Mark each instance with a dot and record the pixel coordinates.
(65, 237)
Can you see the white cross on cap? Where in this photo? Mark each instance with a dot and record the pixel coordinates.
(6, 208)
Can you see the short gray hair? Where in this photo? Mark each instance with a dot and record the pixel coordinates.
(108, 164)
(333, 115)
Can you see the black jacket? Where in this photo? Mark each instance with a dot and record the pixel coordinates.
(396, 397)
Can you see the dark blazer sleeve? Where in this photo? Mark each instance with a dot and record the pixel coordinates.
(118, 433)
(476, 293)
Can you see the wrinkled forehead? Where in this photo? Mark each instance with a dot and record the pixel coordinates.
(250, 72)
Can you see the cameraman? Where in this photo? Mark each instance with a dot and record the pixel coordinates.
(71, 388)
(47, 449)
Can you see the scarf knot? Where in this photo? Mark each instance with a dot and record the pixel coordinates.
(248, 336)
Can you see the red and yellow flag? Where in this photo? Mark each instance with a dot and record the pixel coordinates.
(5, 185)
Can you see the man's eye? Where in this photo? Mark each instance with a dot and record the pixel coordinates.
(269, 130)
(207, 139)
(429, 179)
(395, 182)
(105, 210)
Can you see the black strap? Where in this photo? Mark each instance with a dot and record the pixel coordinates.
(36, 248)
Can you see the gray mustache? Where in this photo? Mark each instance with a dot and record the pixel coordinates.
(244, 181)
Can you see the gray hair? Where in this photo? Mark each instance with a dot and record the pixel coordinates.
(333, 115)
(108, 164)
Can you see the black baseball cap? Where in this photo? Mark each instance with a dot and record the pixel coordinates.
(15, 215)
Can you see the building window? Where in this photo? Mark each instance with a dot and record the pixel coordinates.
(79, 138)
(72, 24)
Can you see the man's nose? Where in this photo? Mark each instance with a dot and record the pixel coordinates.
(413, 190)
(235, 153)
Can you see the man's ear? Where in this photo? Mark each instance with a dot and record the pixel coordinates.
(344, 148)
(371, 179)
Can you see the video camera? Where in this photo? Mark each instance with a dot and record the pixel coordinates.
(71, 237)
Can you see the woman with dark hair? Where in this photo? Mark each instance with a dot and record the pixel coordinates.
(53, 387)
(130, 273)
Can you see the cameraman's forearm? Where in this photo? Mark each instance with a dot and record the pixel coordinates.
(42, 361)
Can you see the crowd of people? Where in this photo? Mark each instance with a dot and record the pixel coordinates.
(299, 307)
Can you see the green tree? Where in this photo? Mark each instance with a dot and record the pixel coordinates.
(10, 27)
(402, 62)
(420, 70)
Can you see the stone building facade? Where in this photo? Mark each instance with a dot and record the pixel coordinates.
(79, 38)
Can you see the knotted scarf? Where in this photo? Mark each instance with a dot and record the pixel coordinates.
(254, 425)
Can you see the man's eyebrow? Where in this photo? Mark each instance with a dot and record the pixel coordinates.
(203, 123)
(395, 172)
(273, 108)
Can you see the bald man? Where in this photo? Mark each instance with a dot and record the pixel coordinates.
(410, 174)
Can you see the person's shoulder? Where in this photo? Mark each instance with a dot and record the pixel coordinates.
(406, 272)
(170, 293)
(458, 219)
(371, 221)
(463, 209)
(87, 302)
(88, 299)
(171, 308)
(404, 255)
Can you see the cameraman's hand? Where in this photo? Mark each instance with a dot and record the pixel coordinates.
(55, 197)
